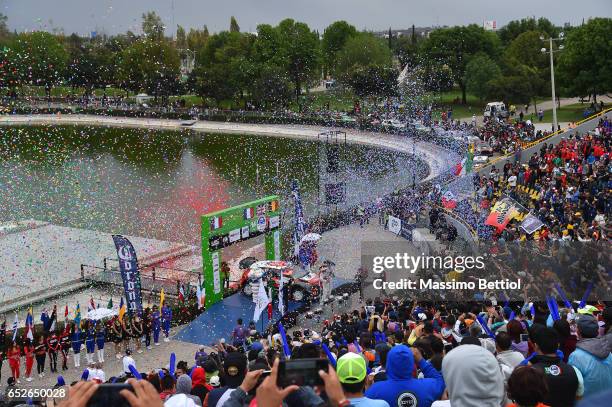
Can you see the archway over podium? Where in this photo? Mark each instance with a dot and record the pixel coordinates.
(232, 225)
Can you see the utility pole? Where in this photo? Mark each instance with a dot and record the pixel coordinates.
(552, 85)
(551, 51)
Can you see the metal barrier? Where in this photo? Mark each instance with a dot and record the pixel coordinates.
(149, 279)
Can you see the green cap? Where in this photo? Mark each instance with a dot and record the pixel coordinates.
(588, 309)
(351, 368)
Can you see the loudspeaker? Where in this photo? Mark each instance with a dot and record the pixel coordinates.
(335, 193)
(333, 158)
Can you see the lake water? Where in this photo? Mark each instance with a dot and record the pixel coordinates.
(157, 183)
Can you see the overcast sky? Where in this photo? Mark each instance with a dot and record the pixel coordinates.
(113, 16)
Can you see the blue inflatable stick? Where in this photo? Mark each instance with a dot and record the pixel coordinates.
(485, 327)
(527, 359)
(135, 372)
(585, 297)
(172, 363)
(330, 356)
(281, 330)
(563, 297)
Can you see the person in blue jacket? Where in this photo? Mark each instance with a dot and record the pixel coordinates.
(166, 318)
(100, 339)
(77, 340)
(156, 325)
(401, 388)
(90, 341)
(593, 356)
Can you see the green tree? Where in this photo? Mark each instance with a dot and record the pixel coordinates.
(365, 65)
(196, 39)
(372, 80)
(455, 46)
(270, 87)
(267, 47)
(4, 31)
(299, 47)
(584, 65)
(10, 74)
(153, 26)
(516, 27)
(479, 73)
(181, 37)
(523, 59)
(335, 37)
(40, 59)
(234, 27)
(407, 50)
(222, 68)
(511, 88)
(91, 66)
(362, 50)
(152, 66)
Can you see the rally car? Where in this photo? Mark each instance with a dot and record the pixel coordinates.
(301, 285)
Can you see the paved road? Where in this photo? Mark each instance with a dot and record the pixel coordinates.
(548, 104)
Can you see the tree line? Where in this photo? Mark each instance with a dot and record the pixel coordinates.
(277, 64)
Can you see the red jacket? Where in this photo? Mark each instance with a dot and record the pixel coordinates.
(13, 355)
(29, 352)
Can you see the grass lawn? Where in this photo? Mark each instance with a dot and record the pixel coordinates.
(190, 100)
(59, 91)
(452, 100)
(568, 113)
(337, 99)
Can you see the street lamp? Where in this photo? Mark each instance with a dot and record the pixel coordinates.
(552, 73)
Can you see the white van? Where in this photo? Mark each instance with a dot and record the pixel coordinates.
(496, 109)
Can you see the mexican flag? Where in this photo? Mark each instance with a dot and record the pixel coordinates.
(449, 201)
(465, 166)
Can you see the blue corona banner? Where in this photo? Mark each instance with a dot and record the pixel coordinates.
(128, 265)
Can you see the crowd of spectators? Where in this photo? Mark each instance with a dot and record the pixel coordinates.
(397, 353)
(567, 186)
(506, 137)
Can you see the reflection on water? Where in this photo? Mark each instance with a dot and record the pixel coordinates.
(157, 183)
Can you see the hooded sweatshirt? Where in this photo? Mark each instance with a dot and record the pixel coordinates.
(183, 386)
(401, 389)
(594, 360)
(199, 387)
(473, 377)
